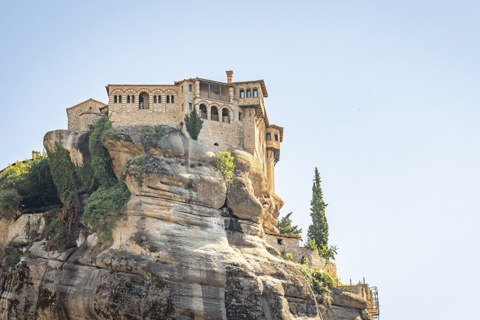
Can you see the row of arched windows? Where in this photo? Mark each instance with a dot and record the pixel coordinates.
(214, 115)
(158, 99)
(131, 99)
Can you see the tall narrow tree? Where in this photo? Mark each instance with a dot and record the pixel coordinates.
(318, 230)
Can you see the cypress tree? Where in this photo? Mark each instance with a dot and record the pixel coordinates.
(193, 124)
(318, 230)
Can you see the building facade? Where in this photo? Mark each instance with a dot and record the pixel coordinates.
(234, 114)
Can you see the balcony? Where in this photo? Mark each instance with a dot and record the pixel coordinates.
(214, 92)
(273, 145)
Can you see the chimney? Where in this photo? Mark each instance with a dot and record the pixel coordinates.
(229, 76)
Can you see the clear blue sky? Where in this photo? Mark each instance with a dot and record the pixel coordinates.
(382, 96)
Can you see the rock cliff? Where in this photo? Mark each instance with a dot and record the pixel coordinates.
(190, 245)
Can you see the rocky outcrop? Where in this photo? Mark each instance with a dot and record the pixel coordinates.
(190, 246)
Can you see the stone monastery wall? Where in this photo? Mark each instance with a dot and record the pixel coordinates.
(81, 116)
(233, 114)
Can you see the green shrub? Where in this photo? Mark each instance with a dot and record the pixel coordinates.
(320, 282)
(63, 171)
(287, 256)
(104, 208)
(224, 163)
(325, 252)
(105, 205)
(151, 136)
(37, 188)
(9, 204)
(194, 124)
(33, 182)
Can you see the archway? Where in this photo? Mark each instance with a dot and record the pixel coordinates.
(214, 113)
(225, 115)
(143, 101)
(203, 111)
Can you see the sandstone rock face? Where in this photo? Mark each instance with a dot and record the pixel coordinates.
(190, 246)
(347, 299)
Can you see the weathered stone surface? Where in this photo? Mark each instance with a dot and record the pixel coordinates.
(347, 299)
(173, 254)
(343, 313)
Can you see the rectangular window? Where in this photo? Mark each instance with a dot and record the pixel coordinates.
(119, 99)
(133, 99)
(268, 137)
(190, 106)
(190, 88)
(239, 116)
(248, 94)
(255, 93)
(276, 137)
(242, 94)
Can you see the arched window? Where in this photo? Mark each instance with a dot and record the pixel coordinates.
(203, 111)
(128, 99)
(225, 115)
(115, 99)
(214, 113)
(159, 99)
(119, 99)
(168, 99)
(172, 99)
(143, 101)
(154, 99)
(133, 99)
(248, 93)
(242, 94)
(255, 93)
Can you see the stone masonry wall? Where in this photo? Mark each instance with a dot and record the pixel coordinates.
(130, 114)
(291, 245)
(83, 115)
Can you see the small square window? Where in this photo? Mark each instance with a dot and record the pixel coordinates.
(279, 241)
(255, 93)
(190, 88)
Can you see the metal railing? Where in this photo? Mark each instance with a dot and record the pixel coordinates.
(203, 115)
(215, 117)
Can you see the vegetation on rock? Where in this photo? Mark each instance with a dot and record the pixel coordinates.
(285, 226)
(105, 205)
(318, 230)
(225, 164)
(320, 282)
(151, 136)
(27, 187)
(193, 123)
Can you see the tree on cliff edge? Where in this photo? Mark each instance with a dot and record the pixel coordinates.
(318, 230)
(285, 226)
